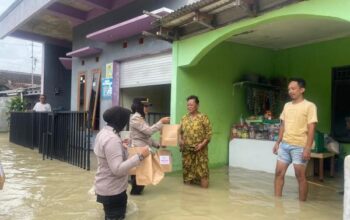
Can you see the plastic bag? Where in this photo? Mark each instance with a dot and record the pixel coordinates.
(332, 145)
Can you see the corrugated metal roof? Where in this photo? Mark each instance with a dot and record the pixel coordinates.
(204, 15)
(186, 10)
(186, 13)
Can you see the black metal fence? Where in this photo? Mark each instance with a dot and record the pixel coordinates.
(21, 129)
(61, 135)
(40, 120)
(153, 117)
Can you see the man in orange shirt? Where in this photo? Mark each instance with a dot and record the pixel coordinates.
(296, 137)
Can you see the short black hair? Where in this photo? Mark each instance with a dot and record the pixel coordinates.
(301, 82)
(193, 97)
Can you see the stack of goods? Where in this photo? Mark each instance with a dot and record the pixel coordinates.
(256, 127)
(258, 100)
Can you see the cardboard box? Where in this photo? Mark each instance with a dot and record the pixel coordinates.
(166, 160)
(170, 135)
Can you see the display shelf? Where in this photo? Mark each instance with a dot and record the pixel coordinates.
(255, 84)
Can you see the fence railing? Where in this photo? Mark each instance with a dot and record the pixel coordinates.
(22, 129)
(40, 120)
(61, 135)
(153, 117)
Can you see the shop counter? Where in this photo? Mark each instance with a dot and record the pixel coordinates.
(254, 155)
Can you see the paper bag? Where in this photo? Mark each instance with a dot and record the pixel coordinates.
(2, 177)
(158, 173)
(131, 152)
(144, 172)
(170, 135)
(149, 171)
(165, 160)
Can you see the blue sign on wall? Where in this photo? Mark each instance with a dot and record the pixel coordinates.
(107, 88)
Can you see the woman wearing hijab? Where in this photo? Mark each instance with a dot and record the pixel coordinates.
(141, 132)
(111, 180)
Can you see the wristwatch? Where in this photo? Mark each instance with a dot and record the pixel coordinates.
(141, 157)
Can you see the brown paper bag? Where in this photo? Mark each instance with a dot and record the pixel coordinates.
(170, 135)
(2, 177)
(144, 172)
(149, 171)
(131, 152)
(157, 170)
(165, 160)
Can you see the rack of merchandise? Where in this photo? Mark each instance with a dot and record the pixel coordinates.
(263, 103)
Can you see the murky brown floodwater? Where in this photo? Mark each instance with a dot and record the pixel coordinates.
(50, 190)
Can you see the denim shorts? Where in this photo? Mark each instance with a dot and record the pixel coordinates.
(291, 154)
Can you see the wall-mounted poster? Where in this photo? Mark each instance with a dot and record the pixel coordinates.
(107, 88)
(109, 70)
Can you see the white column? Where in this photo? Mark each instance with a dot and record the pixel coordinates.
(347, 188)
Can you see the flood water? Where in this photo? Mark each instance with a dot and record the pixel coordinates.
(50, 189)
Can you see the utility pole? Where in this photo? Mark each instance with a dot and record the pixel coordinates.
(32, 63)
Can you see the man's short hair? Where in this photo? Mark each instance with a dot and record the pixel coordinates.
(193, 97)
(301, 82)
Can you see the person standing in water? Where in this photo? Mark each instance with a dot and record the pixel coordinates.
(141, 132)
(296, 138)
(111, 180)
(195, 135)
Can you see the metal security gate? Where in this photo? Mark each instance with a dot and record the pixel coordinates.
(68, 138)
(63, 136)
(146, 71)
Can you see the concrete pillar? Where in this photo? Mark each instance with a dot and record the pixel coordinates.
(3, 116)
(346, 215)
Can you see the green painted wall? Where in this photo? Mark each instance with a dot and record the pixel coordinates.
(198, 46)
(314, 63)
(212, 81)
(206, 65)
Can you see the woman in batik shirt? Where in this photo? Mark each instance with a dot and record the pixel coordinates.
(194, 138)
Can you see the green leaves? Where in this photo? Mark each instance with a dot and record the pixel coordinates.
(16, 104)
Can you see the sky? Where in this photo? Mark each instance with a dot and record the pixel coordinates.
(15, 54)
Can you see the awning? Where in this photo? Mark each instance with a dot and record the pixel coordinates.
(183, 14)
(206, 15)
(127, 28)
(84, 52)
(66, 62)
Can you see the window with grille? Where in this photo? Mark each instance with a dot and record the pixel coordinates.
(341, 104)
